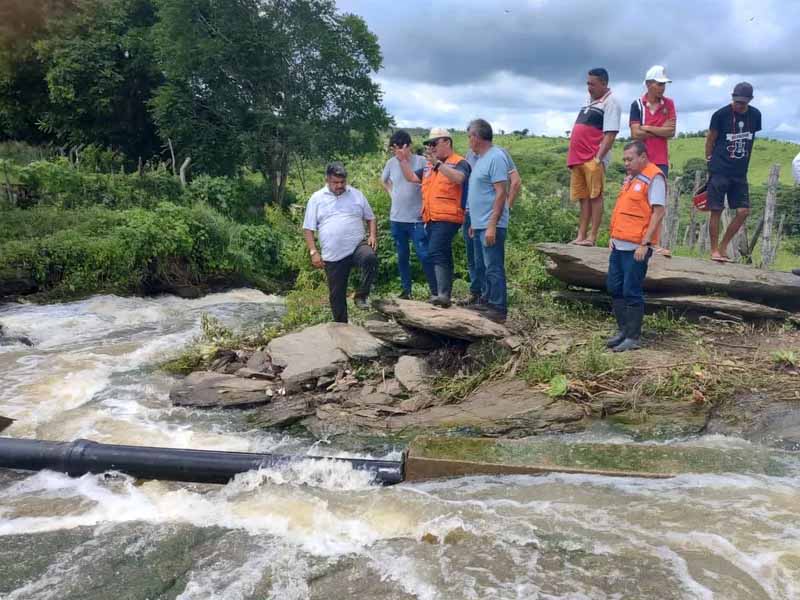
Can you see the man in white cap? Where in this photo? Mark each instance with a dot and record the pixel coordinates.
(653, 118)
(443, 179)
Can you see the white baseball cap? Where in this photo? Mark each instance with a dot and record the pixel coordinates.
(436, 133)
(657, 73)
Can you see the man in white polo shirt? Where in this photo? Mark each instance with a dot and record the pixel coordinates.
(337, 213)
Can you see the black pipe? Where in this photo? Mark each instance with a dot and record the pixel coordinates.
(199, 466)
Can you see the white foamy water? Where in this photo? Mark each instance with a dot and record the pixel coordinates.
(320, 529)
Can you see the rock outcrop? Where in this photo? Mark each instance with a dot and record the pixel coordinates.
(453, 322)
(320, 350)
(206, 389)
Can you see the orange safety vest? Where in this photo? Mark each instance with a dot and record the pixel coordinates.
(631, 216)
(441, 198)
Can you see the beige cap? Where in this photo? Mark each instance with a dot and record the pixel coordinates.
(436, 133)
(657, 73)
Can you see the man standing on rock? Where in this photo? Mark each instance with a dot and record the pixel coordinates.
(635, 224)
(477, 272)
(488, 211)
(729, 144)
(337, 213)
(589, 153)
(653, 118)
(405, 216)
(443, 179)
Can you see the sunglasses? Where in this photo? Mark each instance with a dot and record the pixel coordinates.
(433, 143)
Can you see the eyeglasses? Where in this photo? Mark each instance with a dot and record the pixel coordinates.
(433, 143)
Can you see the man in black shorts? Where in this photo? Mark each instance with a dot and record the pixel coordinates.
(729, 144)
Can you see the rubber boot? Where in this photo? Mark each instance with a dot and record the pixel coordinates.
(444, 284)
(633, 329)
(618, 307)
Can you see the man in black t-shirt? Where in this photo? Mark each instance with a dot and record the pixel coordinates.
(729, 144)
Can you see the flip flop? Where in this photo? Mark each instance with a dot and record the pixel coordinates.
(721, 259)
(665, 252)
(585, 243)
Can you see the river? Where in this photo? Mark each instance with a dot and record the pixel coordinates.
(321, 530)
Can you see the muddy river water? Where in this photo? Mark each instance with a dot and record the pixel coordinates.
(320, 530)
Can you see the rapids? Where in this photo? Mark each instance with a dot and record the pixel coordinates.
(321, 530)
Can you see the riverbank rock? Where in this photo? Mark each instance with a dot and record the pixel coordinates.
(395, 334)
(9, 340)
(453, 322)
(205, 389)
(320, 350)
(412, 373)
(759, 418)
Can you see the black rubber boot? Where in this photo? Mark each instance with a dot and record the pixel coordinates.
(619, 309)
(444, 283)
(633, 329)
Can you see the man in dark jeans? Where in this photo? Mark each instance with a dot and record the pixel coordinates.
(729, 144)
(443, 179)
(337, 213)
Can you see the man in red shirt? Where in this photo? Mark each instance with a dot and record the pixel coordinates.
(653, 118)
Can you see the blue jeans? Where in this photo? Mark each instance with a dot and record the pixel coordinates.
(494, 259)
(626, 276)
(413, 232)
(440, 242)
(477, 271)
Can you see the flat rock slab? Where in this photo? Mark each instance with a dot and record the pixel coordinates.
(431, 457)
(693, 304)
(405, 337)
(320, 350)
(207, 389)
(588, 267)
(453, 322)
(285, 411)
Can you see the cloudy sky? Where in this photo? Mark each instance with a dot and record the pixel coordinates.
(522, 63)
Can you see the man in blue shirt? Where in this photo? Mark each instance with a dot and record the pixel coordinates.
(477, 275)
(488, 210)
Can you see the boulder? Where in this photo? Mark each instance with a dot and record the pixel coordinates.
(206, 389)
(320, 350)
(395, 334)
(285, 411)
(454, 322)
(588, 267)
(258, 361)
(412, 373)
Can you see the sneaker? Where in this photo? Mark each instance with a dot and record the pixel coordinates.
(361, 303)
(495, 315)
(405, 295)
(477, 306)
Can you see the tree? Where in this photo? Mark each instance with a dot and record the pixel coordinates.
(101, 73)
(23, 89)
(258, 81)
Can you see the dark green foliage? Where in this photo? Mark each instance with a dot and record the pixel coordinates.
(255, 83)
(101, 73)
(85, 251)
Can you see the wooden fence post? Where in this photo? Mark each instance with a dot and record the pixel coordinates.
(670, 226)
(768, 243)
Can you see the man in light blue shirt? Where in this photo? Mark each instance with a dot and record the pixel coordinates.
(477, 272)
(488, 210)
(337, 214)
(405, 215)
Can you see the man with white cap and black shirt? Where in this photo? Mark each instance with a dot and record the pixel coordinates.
(729, 144)
(653, 118)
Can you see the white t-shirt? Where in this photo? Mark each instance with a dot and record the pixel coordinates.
(796, 168)
(338, 221)
(656, 196)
